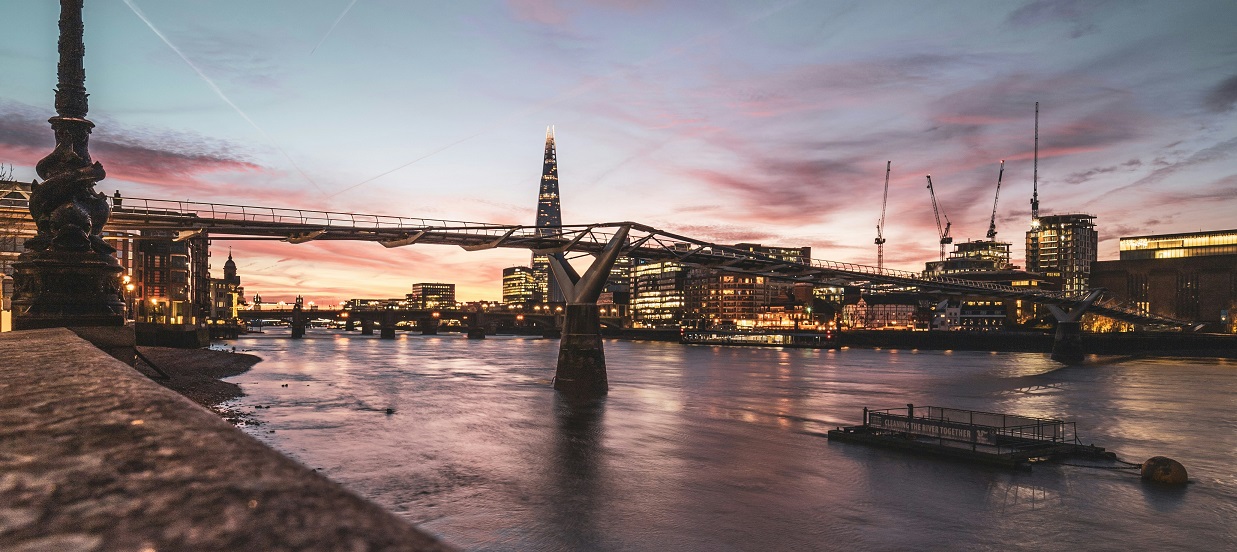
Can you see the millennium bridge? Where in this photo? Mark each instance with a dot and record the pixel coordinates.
(296, 226)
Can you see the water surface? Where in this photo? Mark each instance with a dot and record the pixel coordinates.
(721, 448)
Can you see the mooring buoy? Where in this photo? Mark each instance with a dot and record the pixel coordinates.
(1161, 469)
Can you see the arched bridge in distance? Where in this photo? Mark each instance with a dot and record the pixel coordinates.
(606, 241)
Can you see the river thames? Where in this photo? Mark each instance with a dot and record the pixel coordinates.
(722, 448)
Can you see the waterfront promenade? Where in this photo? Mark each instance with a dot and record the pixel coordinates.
(96, 456)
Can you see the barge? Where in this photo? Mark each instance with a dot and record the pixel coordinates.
(1007, 440)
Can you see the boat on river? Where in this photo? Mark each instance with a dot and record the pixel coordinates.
(1008, 440)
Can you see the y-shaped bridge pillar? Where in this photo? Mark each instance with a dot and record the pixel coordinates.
(1067, 345)
(581, 372)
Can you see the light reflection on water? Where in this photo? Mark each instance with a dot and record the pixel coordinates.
(718, 448)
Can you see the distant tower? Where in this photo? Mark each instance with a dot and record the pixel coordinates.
(549, 220)
(229, 270)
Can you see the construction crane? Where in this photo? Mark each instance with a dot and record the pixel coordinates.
(880, 226)
(1035, 175)
(943, 231)
(992, 221)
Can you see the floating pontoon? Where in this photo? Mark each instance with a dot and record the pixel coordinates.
(987, 437)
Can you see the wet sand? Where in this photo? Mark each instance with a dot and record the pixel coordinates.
(197, 374)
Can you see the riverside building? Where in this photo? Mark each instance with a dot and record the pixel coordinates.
(519, 286)
(1063, 248)
(658, 299)
(982, 261)
(1190, 276)
(426, 296)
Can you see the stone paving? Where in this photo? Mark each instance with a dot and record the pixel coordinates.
(95, 456)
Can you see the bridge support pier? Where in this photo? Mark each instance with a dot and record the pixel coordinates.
(476, 327)
(1067, 343)
(581, 371)
(298, 319)
(350, 324)
(367, 326)
(387, 331)
(581, 359)
(429, 326)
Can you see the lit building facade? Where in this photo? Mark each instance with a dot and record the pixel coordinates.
(972, 256)
(616, 294)
(427, 296)
(1189, 276)
(549, 221)
(658, 299)
(1063, 248)
(171, 279)
(884, 311)
(982, 261)
(728, 300)
(226, 294)
(16, 227)
(972, 314)
(519, 286)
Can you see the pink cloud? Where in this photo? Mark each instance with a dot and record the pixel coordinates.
(544, 12)
(555, 13)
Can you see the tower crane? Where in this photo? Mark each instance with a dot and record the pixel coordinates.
(1035, 175)
(880, 226)
(943, 231)
(992, 221)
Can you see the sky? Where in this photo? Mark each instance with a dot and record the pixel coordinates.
(744, 121)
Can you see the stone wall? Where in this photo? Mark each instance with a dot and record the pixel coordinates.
(94, 456)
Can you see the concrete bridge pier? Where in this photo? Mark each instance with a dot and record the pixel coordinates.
(581, 371)
(387, 331)
(350, 324)
(367, 326)
(476, 326)
(429, 326)
(1067, 343)
(299, 320)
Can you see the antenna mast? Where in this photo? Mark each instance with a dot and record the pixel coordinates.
(992, 221)
(880, 226)
(1035, 174)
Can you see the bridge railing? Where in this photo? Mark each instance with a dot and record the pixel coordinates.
(277, 215)
(671, 246)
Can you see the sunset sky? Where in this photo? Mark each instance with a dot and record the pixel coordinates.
(750, 121)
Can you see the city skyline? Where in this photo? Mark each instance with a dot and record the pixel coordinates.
(737, 123)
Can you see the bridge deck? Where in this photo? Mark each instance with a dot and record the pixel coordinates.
(189, 218)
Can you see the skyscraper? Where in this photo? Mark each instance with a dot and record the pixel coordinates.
(549, 220)
(1062, 248)
(518, 286)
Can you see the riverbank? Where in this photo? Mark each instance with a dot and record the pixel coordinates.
(96, 457)
(197, 373)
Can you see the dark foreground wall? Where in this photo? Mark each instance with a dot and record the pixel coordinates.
(94, 456)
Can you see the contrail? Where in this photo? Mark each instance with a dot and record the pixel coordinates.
(333, 25)
(218, 91)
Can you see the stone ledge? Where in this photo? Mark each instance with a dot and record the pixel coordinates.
(94, 456)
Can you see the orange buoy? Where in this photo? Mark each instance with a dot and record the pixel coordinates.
(1161, 469)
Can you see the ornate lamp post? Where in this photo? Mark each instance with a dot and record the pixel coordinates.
(68, 276)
